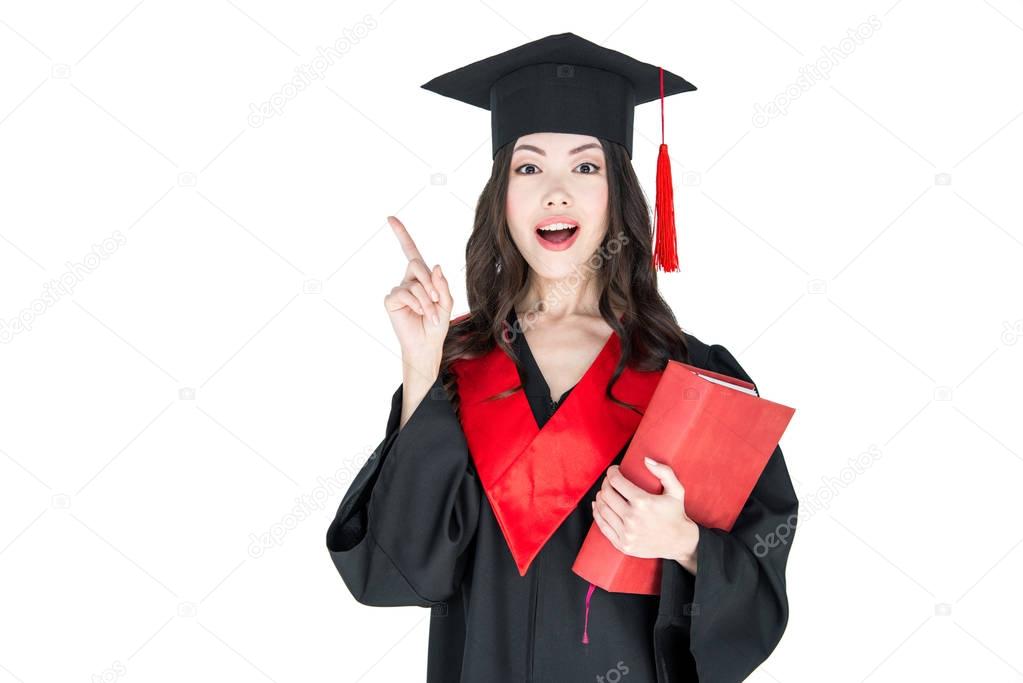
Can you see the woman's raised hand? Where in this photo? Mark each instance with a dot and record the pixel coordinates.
(420, 306)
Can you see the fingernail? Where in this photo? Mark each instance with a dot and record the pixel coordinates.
(435, 295)
(649, 461)
(436, 320)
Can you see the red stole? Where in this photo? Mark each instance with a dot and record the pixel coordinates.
(534, 478)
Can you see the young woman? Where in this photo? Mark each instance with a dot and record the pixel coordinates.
(566, 334)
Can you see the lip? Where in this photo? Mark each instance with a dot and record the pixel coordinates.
(550, 246)
(562, 246)
(556, 219)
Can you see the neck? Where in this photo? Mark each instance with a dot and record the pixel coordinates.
(559, 298)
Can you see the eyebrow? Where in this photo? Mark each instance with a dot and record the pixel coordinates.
(539, 151)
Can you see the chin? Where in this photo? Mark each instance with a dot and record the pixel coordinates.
(557, 266)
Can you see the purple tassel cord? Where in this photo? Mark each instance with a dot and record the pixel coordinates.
(586, 623)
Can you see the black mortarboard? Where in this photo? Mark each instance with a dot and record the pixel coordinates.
(566, 84)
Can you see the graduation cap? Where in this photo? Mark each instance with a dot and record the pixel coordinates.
(566, 84)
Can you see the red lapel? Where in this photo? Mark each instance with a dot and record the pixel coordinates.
(534, 478)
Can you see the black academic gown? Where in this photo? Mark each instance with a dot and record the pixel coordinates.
(415, 528)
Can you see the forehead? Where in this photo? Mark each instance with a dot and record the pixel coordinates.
(554, 144)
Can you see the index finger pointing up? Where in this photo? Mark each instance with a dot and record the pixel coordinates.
(404, 239)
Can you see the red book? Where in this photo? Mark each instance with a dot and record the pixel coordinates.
(717, 435)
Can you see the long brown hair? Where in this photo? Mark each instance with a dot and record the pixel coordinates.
(496, 275)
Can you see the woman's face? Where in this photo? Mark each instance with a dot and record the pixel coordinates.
(559, 177)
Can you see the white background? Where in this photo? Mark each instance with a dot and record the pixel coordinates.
(225, 366)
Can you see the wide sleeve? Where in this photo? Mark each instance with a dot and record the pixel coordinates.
(404, 530)
(721, 624)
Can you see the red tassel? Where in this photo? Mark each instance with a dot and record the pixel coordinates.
(665, 252)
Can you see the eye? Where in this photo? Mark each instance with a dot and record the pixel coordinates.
(593, 168)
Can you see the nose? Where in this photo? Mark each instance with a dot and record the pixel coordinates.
(557, 198)
(555, 192)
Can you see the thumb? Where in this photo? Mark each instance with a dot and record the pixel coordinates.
(672, 486)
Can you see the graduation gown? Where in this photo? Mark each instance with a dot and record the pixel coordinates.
(415, 528)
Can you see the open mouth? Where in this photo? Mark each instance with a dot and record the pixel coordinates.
(557, 233)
